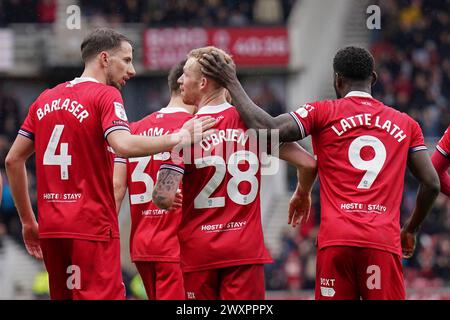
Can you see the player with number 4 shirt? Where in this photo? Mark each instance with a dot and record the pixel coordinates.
(74, 128)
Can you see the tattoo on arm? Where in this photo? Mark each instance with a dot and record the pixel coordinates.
(166, 187)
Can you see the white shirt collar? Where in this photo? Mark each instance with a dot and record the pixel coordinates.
(214, 109)
(173, 110)
(361, 94)
(83, 79)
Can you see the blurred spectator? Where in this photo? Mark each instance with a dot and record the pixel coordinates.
(46, 11)
(1, 188)
(137, 288)
(156, 13)
(19, 11)
(268, 12)
(41, 290)
(269, 101)
(9, 115)
(413, 64)
(132, 10)
(10, 120)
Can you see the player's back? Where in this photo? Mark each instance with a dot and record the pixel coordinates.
(221, 204)
(69, 124)
(443, 145)
(362, 148)
(153, 231)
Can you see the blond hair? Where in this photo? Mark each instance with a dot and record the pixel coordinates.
(199, 52)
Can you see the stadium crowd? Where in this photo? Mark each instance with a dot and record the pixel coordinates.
(155, 13)
(412, 51)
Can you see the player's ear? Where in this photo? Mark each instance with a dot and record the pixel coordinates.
(203, 82)
(104, 58)
(337, 80)
(374, 78)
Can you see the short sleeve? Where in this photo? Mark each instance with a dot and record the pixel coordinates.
(113, 115)
(417, 142)
(120, 160)
(443, 145)
(308, 118)
(175, 162)
(29, 125)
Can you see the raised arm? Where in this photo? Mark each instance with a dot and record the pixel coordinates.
(165, 191)
(119, 182)
(214, 65)
(20, 151)
(127, 145)
(421, 167)
(300, 203)
(441, 164)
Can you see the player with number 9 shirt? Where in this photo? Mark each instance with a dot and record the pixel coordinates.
(362, 148)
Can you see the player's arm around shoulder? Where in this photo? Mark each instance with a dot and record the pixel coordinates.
(224, 72)
(165, 191)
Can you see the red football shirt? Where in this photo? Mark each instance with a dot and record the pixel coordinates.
(153, 231)
(69, 125)
(221, 220)
(362, 148)
(444, 144)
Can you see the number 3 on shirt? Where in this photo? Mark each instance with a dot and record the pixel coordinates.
(203, 200)
(372, 167)
(64, 160)
(139, 175)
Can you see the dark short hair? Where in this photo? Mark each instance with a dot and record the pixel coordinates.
(354, 63)
(174, 74)
(102, 39)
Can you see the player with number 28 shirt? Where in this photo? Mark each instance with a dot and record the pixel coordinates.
(221, 237)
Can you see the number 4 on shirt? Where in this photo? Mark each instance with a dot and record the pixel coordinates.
(64, 160)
